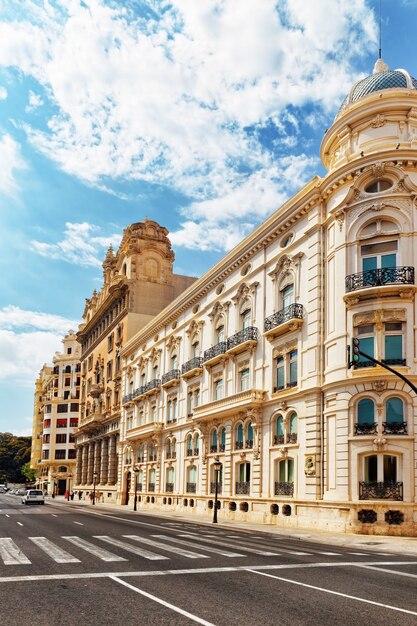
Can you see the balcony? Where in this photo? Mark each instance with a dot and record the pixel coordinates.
(284, 489)
(171, 455)
(193, 367)
(230, 405)
(144, 430)
(292, 438)
(292, 383)
(213, 449)
(238, 445)
(213, 487)
(394, 428)
(153, 386)
(366, 428)
(96, 390)
(242, 488)
(191, 487)
(243, 340)
(249, 444)
(170, 379)
(279, 440)
(289, 319)
(380, 491)
(169, 488)
(215, 354)
(138, 392)
(380, 282)
(222, 447)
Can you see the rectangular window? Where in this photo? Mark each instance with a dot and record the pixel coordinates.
(73, 422)
(218, 389)
(71, 454)
(74, 406)
(69, 350)
(62, 408)
(45, 455)
(280, 373)
(244, 380)
(46, 438)
(47, 423)
(109, 370)
(293, 368)
(67, 382)
(60, 454)
(61, 438)
(47, 408)
(110, 340)
(61, 423)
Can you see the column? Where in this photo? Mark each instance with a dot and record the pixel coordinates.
(104, 472)
(97, 459)
(112, 461)
(90, 463)
(84, 465)
(78, 465)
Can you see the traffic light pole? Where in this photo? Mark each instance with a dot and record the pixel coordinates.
(387, 367)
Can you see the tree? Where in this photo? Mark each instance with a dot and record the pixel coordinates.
(14, 453)
(29, 472)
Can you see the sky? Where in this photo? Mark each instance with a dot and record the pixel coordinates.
(204, 115)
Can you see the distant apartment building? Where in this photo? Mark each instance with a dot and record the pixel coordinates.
(56, 417)
(138, 283)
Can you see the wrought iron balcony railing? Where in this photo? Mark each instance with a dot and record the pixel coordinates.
(171, 375)
(366, 428)
(191, 487)
(242, 488)
(213, 448)
(169, 487)
(376, 278)
(292, 438)
(249, 444)
(219, 348)
(247, 334)
(171, 455)
(192, 364)
(278, 440)
(291, 312)
(380, 491)
(138, 392)
(394, 361)
(222, 447)
(213, 487)
(238, 445)
(153, 457)
(152, 384)
(284, 489)
(394, 428)
(127, 398)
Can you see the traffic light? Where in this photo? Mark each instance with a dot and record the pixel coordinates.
(355, 350)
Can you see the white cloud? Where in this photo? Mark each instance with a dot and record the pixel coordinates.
(27, 340)
(179, 98)
(10, 162)
(35, 101)
(79, 246)
(3, 93)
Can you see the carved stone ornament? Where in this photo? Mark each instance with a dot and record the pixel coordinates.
(378, 168)
(379, 385)
(283, 452)
(340, 218)
(310, 465)
(379, 443)
(173, 342)
(378, 121)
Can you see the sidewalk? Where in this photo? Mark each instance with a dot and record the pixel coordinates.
(378, 543)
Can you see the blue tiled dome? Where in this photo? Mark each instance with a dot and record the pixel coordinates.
(380, 80)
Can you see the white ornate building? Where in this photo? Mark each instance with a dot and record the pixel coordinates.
(250, 365)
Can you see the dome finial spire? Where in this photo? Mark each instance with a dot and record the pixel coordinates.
(380, 66)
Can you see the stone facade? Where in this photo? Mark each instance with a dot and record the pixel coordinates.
(249, 366)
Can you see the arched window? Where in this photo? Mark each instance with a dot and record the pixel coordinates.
(365, 417)
(152, 480)
(239, 437)
(222, 440)
(139, 480)
(192, 479)
(243, 479)
(213, 444)
(168, 448)
(174, 361)
(141, 454)
(68, 369)
(249, 436)
(189, 445)
(246, 318)
(284, 485)
(394, 411)
(293, 428)
(196, 444)
(195, 349)
(279, 431)
(169, 487)
(287, 296)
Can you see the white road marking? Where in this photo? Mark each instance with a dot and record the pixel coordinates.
(97, 551)
(56, 553)
(359, 553)
(20, 523)
(190, 616)
(194, 545)
(206, 570)
(298, 553)
(335, 593)
(328, 553)
(53, 515)
(7, 515)
(151, 556)
(220, 542)
(163, 546)
(11, 554)
(387, 571)
(79, 523)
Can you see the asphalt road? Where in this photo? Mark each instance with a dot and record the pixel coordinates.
(68, 564)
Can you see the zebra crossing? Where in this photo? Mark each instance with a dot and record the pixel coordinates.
(157, 547)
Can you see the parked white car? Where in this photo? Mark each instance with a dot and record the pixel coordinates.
(33, 496)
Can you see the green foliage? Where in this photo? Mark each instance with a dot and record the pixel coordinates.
(29, 472)
(14, 454)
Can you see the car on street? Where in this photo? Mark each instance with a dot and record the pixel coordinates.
(33, 496)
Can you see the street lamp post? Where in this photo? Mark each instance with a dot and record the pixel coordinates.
(94, 487)
(69, 486)
(217, 468)
(135, 500)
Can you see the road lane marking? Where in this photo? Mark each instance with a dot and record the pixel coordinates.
(381, 569)
(228, 544)
(97, 551)
(11, 553)
(79, 523)
(52, 550)
(53, 515)
(7, 515)
(334, 593)
(163, 546)
(151, 556)
(191, 544)
(328, 553)
(202, 570)
(177, 609)
(20, 523)
(359, 553)
(298, 553)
